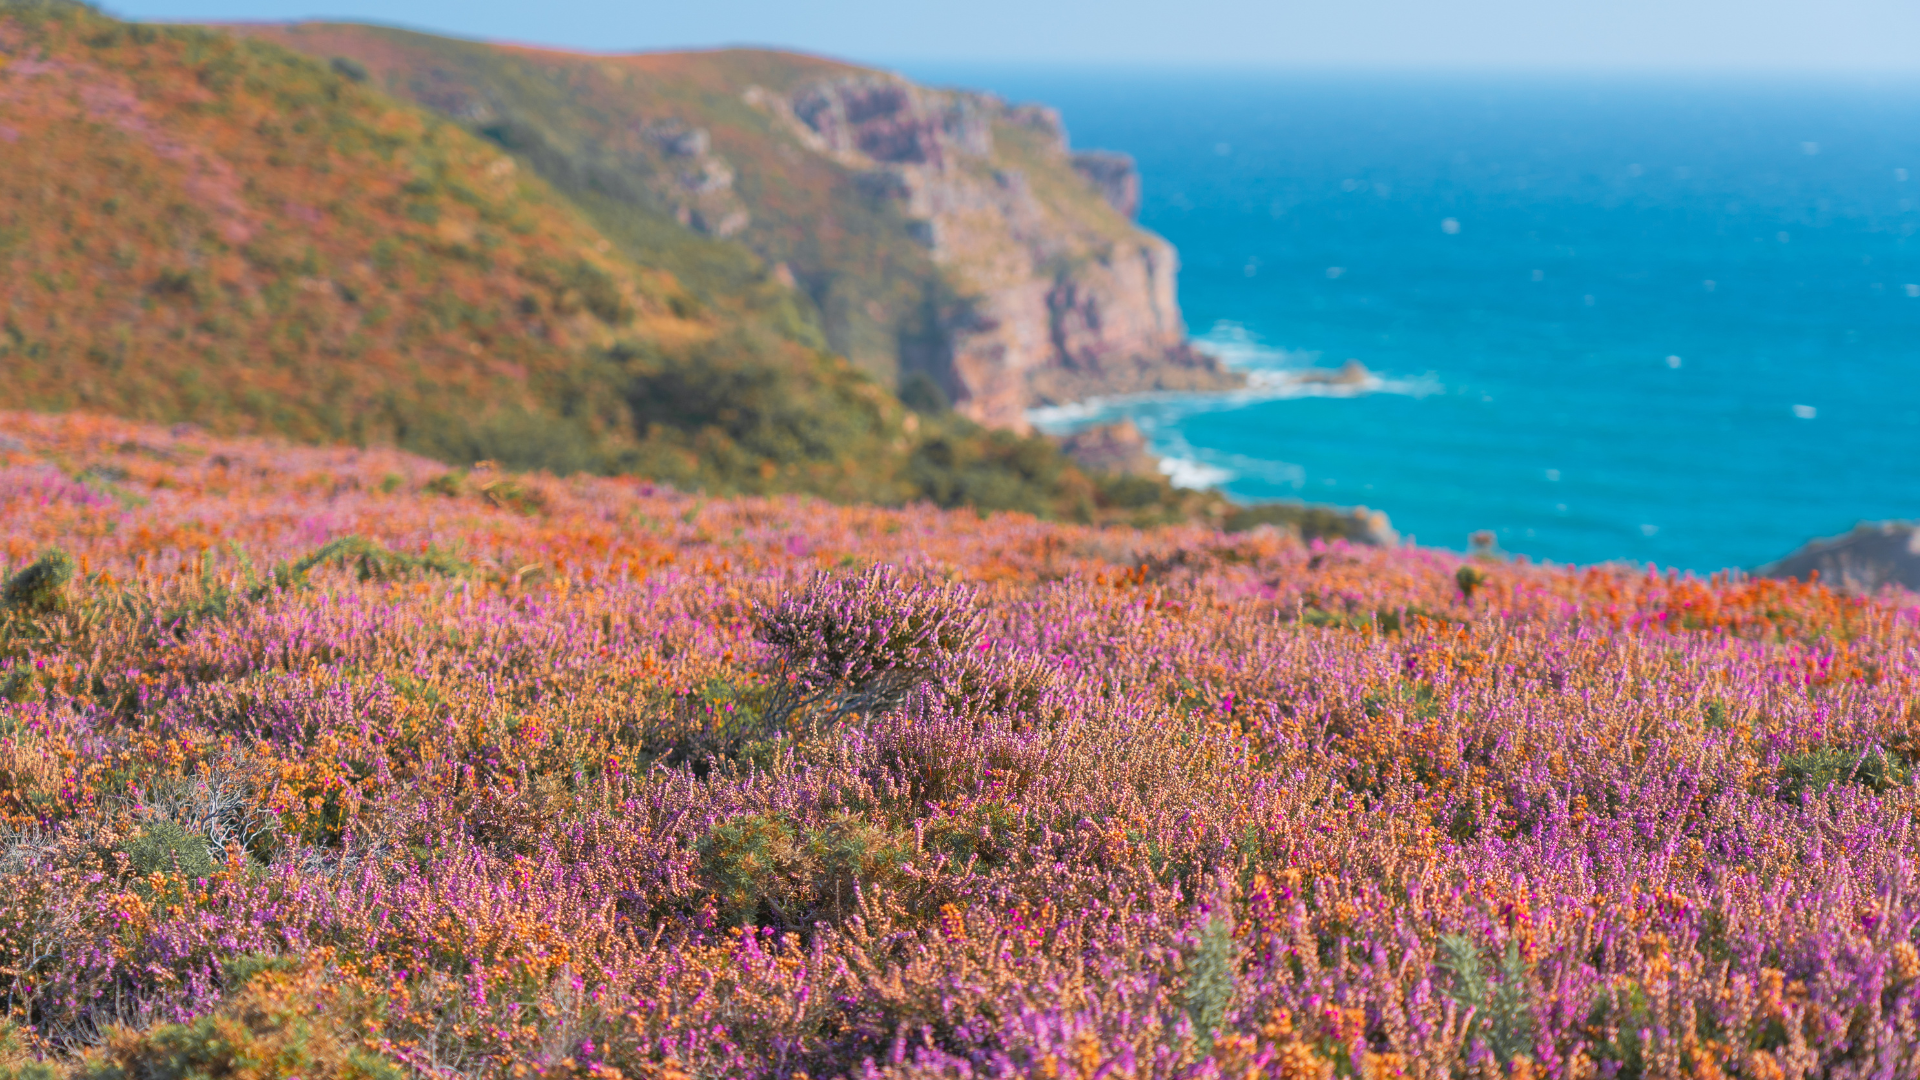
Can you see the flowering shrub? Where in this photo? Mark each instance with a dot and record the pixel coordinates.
(860, 643)
(608, 780)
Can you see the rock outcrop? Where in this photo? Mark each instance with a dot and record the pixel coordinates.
(1055, 296)
(1873, 555)
(1112, 448)
(697, 183)
(1114, 176)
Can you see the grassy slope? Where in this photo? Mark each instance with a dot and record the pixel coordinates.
(579, 119)
(197, 227)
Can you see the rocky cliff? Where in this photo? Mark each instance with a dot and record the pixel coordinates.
(933, 231)
(1057, 296)
(1871, 556)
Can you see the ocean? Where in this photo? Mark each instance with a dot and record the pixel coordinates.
(1659, 320)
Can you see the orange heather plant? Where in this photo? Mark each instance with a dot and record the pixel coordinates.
(329, 764)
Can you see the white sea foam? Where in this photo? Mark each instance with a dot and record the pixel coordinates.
(1273, 374)
(1188, 473)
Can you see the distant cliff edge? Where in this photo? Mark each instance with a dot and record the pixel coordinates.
(1871, 556)
(942, 237)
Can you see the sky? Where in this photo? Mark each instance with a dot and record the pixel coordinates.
(1869, 37)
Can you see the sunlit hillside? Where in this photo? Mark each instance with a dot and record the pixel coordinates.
(201, 228)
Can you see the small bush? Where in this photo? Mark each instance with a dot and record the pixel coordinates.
(372, 562)
(41, 588)
(1497, 994)
(167, 847)
(348, 68)
(1467, 579)
(1210, 977)
(1817, 771)
(922, 394)
(768, 870)
(860, 643)
(276, 1025)
(1309, 520)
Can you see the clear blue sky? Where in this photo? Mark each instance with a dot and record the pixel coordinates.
(1866, 36)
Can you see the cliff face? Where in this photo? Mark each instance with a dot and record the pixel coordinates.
(1872, 556)
(932, 231)
(1057, 295)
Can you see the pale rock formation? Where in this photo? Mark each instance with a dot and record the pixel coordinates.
(1114, 176)
(1112, 448)
(1053, 302)
(699, 183)
(1873, 555)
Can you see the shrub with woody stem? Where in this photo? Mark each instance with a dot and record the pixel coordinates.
(860, 643)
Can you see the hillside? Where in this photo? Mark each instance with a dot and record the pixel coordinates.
(197, 227)
(939, 234)
(334, 763)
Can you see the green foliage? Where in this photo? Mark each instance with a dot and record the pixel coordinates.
(167, 847)
(40, 588)
(276, 1024)
(373, 562)
(763, 409)
(1127, 491)
(1210, 978)
(922, 394)
(1496, 992)
(349, 68)
(770, 870)
(1467, 579)
(1816, 771)
(1311, 521)
(580, 285)
(964, 465)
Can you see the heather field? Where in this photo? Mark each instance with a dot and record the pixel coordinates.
(330, 763)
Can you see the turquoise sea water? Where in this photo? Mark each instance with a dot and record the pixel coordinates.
(1664, 321)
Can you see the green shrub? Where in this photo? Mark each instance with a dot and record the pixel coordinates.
(964, 465)
(580, 285)
(373, 562)
(768, 870)
(1210, 977)
(1310, 520)
(277, 1024)
(41, 588)
(1467, 579)
(1818, 770)
(922, 394)
(167, 847)
(349, 69)
(1497, 994)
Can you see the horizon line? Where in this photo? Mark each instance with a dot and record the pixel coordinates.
(1183, 65)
